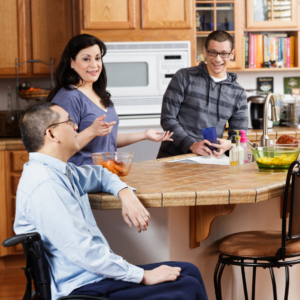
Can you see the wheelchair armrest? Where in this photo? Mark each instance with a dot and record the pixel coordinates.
(81, 297)
(20, 238)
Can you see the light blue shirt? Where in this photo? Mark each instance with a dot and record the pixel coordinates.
(52, 200)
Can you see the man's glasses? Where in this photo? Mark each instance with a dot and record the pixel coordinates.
(70, 121)
(215, 54)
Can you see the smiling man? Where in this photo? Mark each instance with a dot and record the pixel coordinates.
(52, 200)
(204, 96)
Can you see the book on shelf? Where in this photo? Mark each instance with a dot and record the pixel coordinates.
(254, 51)
(260, 48)
(292, 45)
(250, 49)
(246, 50)
(288, 52)
(272, 48)
(285, 52)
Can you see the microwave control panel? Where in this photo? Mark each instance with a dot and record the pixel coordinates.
(168, 65)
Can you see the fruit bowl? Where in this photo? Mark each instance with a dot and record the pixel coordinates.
(275, 157)
(117, 162)
(34, 94)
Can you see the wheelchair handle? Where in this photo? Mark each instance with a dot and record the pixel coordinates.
(20, 238)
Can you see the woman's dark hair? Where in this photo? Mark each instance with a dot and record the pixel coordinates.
(66, 76)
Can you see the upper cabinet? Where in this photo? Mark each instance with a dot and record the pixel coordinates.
(113, 14)
(136, 20)
(33, 29)
(13, 37)
(272, 14)
(51, 25)
(166, 14)
(219, 15)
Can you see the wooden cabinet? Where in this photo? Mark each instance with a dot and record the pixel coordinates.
(33, 29)
(13, 36)
(113, 14)
(219, 15)
(275, 20)
(51, 23)
(166, 14)
(11, 167)
(272, 14)
(136, 20)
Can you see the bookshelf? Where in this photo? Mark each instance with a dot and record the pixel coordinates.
(241, 12)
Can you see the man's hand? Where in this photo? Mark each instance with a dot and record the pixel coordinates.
(157, 136)
(133, 210)
(223, 146)
(161, 274)
(101, 128)
(200, 148)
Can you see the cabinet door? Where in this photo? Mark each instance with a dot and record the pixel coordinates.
(13, 37)
(167, 14)
(109, 14)
(14, 161)
(51, 23)
(272, 14)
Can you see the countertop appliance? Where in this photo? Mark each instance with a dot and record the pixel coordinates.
(138, 73)
(256, 112)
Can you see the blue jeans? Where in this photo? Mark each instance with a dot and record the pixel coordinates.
(189, 285)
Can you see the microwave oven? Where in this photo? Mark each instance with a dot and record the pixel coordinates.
(138, 73)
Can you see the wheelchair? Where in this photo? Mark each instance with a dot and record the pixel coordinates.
(37, 268)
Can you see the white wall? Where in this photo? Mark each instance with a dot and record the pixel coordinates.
(246, 79)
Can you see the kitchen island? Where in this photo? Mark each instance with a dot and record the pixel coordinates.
(209, 190)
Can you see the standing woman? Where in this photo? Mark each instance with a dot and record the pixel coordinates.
(80, 89)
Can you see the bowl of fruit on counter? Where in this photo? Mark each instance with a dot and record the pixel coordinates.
(116, 162)
(27, 92)
(279, 155)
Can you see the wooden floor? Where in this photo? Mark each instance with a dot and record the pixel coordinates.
(12, 284)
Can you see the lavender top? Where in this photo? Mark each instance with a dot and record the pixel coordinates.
(84, 111)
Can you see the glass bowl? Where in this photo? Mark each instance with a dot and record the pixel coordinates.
(117, 162)
(275, 157)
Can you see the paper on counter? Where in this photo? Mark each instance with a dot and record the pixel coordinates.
(208, 160)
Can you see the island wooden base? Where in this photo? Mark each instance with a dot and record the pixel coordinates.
(201, 218)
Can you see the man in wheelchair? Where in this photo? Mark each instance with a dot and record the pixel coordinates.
(52, 200)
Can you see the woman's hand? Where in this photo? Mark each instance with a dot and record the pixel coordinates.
(157, 136)
(101, 128)
(133, 210)
(201, 148)
(223, 146)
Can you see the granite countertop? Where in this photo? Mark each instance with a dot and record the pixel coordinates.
(160, 183)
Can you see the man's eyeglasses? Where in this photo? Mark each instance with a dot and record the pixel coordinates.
(70, 121)
(215, 54)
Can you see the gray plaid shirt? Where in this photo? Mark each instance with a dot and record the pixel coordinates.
(193, 100)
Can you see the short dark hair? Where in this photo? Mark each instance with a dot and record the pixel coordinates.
(34, 123)
(219, 36)
(66, 76)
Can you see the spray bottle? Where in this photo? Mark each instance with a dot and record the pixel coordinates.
(244, 145)
(236, 154)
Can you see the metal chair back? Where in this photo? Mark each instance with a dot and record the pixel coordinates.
(293, 231)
